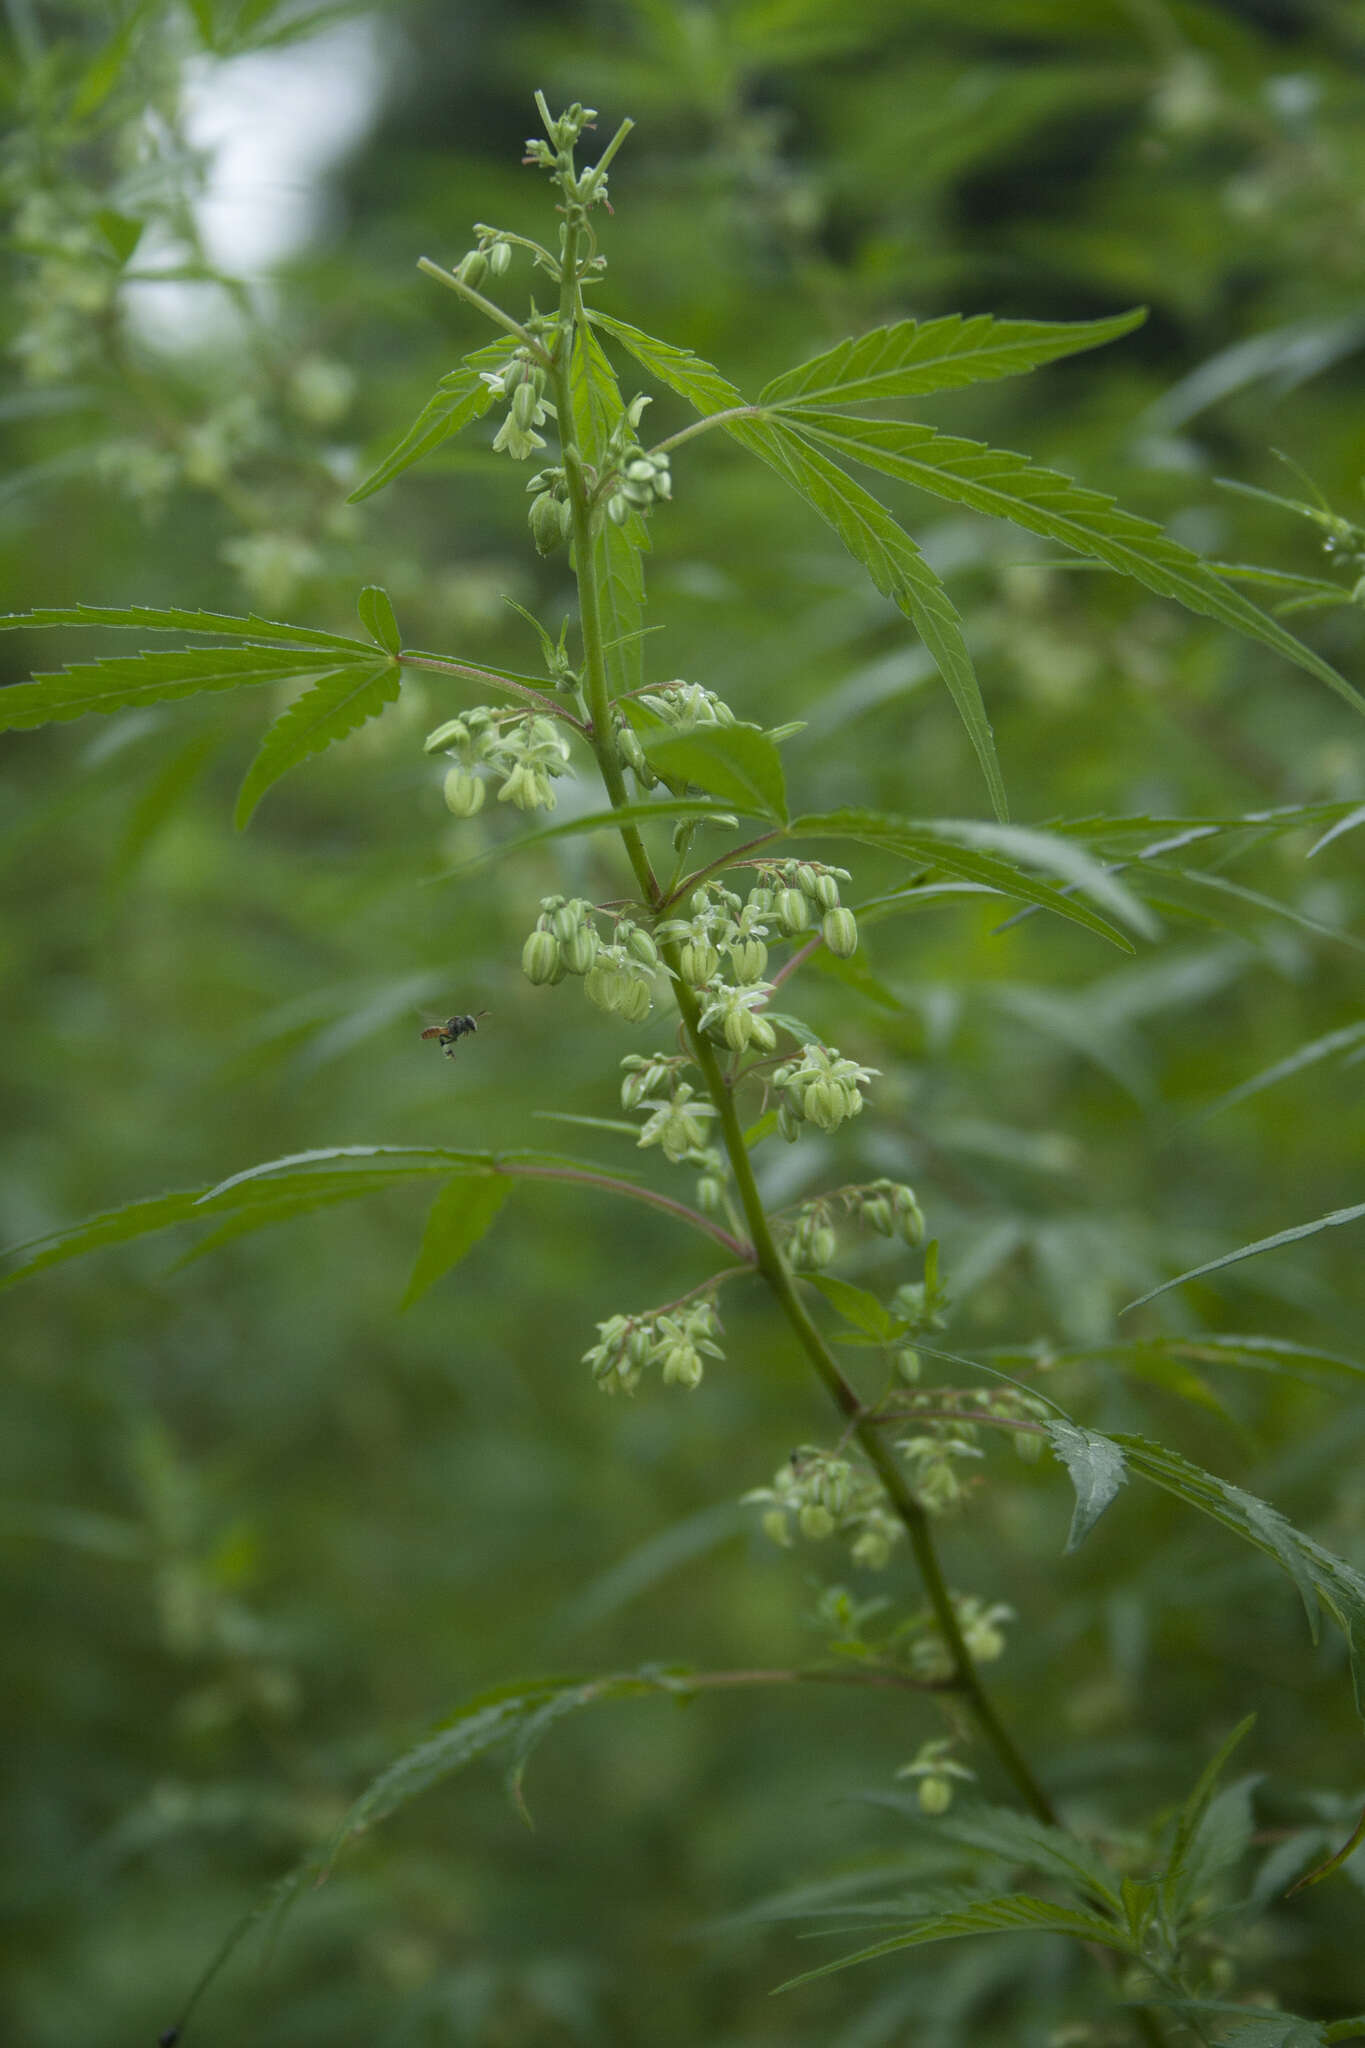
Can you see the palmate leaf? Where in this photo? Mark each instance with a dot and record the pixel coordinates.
(1332, 1221)
(1212, 1830)
(987, 854)
(280, 1189)
(1008, 486)
(1011, 1913)
(334, 706)
(461, 396)
(914, 357)
(865, 527)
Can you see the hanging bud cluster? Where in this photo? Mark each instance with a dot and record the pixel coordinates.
(490, 257)
(821, 1494)
(618, 973)
(638, 481)
(724, 936)
(801, 893)
(524, 752)
(551, 515)
(821, 1088)
(676, 1340)
(810, 1243)
(522, 384)
(975, 1407)
(890, 1208)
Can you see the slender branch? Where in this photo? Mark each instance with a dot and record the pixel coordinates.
(722, 861)
(653, 1200)
(877, 1677)
(713, 419)
(486, 307)
(438, 665)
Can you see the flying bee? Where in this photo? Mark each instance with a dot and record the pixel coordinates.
(453, 1030)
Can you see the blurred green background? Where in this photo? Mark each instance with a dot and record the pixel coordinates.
(258, 1530)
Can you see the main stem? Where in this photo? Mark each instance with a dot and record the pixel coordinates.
(966, 1679)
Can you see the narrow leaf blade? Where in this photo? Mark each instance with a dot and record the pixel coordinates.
(376, 616)
(335, 705)
(127, 681)
(1009, 486)
(896, 566)
(937, 355)
(460, 1215)
(1331, 1221)
(1096, 1466)
(459, 398)
(1012, 1913)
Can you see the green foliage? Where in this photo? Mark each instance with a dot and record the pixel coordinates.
(259, 1528)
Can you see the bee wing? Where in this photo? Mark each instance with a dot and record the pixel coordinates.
(434, 1031)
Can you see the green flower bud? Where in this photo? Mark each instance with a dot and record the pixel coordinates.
(526, 407)
(540, 961)
(464, 792)
(823, 1245)
(824, 1105)
(499, 256)
(788, 1123)
(760, 900)
(738, 1028)
(580, 949)
(618, 508)
(711, 1200)
(567, 918)
(826, 891)
(909, 1216)
(749, 958)
(698, 961)
(816, 1522)
(605, 985)
(793, 910)
(877, 1214)
(631, 752)
(682, 1367)
(935, 1795)
(641, 946)
(473, 268)
(908, 1366)
(839, 929)
(547, 527)
(762, 1033)
(777, 1528)
(637, 1000)
(807, 880)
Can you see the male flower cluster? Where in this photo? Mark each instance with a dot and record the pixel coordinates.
(827, 1495)
(525, 752)
(820, 1088)
(676, 1340)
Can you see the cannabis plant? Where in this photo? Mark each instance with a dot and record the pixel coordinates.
(713, 895)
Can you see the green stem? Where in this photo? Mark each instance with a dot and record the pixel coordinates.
(965, 1680)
